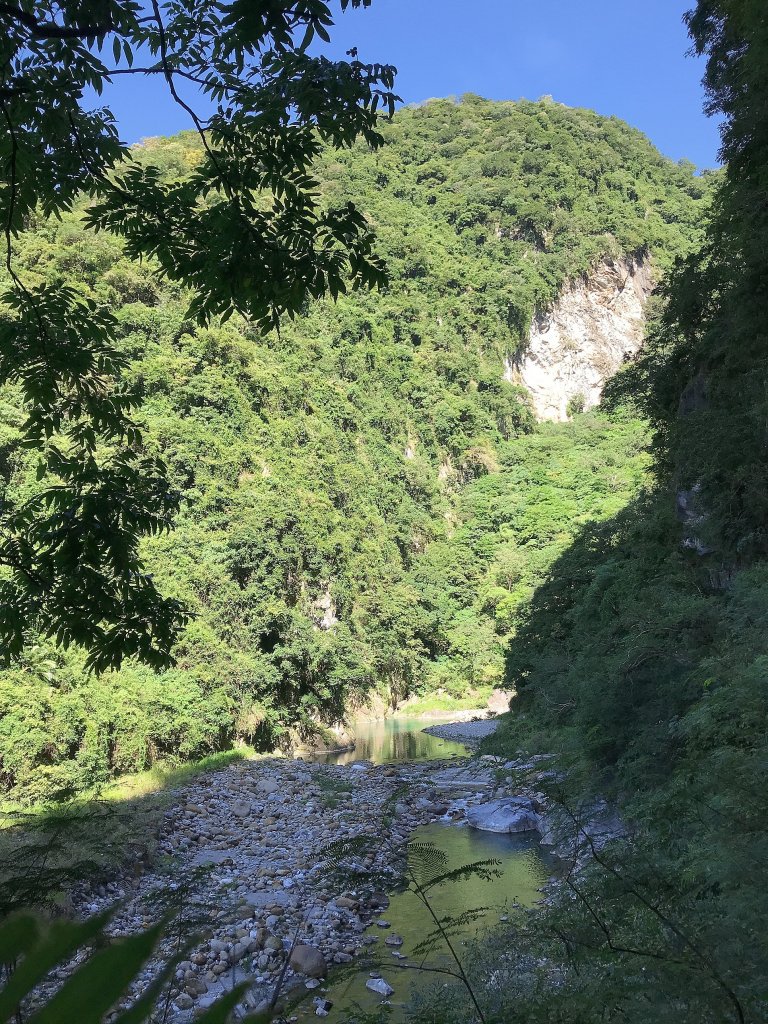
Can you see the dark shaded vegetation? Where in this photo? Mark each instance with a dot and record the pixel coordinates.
(641, 659)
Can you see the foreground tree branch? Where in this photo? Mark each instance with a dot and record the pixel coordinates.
(245, 232)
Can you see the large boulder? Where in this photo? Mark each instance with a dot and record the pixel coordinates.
(308, 961)
(512, 815)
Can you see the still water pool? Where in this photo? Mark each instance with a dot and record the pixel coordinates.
(522, 873)
(394, 739)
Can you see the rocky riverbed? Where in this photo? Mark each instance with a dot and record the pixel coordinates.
(469, 733)
(250, 860)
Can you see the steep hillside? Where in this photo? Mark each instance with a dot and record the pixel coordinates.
(327, 541)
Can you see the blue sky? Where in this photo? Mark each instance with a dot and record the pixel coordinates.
(615, 56)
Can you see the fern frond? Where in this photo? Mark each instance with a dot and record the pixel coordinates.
(341, 850)
(425, 862)
(450, 926)
(486, 870)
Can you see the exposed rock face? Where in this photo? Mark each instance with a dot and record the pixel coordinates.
(324, 611)
(498, 702)
(596, 324)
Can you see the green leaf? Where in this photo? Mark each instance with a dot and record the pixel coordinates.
(61, 940)
(97, 985)
(18, 935)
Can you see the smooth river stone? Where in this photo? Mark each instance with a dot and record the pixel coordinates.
(515, 815)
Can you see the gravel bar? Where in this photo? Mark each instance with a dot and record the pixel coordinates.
(469, 733)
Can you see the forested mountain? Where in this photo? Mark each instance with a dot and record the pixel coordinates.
(366, 500)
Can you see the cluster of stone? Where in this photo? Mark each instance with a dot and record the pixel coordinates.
(248, 847)
(250, 855)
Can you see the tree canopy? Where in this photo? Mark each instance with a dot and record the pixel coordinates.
(245, 231)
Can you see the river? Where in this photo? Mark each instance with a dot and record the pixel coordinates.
(522, 872)
(394, 740)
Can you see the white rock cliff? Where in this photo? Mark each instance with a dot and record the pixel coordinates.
(596, 324)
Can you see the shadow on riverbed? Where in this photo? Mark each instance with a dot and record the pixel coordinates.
(45, 851)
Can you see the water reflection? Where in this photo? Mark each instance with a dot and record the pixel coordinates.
(523, 871)
(395, 739)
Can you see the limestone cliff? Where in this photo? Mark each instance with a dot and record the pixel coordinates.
(595, 325)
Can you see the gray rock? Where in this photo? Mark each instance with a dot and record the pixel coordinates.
(459, 779)
(263, 1006)
(309, 961)
(205, 857)
(512, 815)
(380, 986)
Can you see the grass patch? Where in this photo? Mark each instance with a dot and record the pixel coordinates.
(445, 702)
(170, 776)
(333, 791)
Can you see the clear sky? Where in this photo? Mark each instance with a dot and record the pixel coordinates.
(623, 57)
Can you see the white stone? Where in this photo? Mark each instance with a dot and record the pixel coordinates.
(380, 986)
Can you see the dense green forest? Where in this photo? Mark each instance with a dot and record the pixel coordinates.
(641, 658)
(366, 501)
